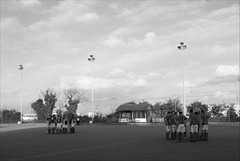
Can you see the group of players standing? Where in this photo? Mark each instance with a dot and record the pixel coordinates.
(180, 128)
(60, 125)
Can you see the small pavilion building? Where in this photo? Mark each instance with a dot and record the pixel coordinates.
(134, 112)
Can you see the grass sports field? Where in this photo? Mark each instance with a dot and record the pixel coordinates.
(117, 142)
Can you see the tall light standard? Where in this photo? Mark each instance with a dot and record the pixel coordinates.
(91, 59)
(101, 105)
(182, 46)
(21, 110)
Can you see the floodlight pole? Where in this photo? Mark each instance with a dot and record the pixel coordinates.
(183, 47)
(101, 105)
(21, 108)
(91, 59)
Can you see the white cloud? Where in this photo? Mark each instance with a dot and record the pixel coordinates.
(29, 3)
(193, 64)
(132, 75)
(116, 71)
(223, 74)
(84, 82)
(227, 70)
(88, 17)
(234, 9)
(218, 49)
(221, 94)
(112, 41)
(187, 84)
(140, 82)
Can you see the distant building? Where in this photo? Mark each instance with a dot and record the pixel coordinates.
(134, 112)
(29, 117)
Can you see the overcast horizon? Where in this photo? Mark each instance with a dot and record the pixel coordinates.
(135, 46)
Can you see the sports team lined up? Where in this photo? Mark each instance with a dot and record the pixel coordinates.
(180, 128)
(60, 125)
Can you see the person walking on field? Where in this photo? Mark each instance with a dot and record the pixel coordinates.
(204, 134)
(181, 127)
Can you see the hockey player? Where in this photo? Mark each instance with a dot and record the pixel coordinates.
(72, 126)
(181, 127)
(53, 123)
(49, 124)
(204, 135)
(167, 121)
(194, 121)
(65, 125)
(59, 124)
(174, 126)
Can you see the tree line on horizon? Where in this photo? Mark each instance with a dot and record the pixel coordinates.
(44, 106)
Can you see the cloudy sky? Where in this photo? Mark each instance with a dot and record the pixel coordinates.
(134, 43)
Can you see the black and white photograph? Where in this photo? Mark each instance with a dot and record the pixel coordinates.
(119, 80)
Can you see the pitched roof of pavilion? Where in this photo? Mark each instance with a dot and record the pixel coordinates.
(134, 107)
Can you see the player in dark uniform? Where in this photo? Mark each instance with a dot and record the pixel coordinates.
(174, 126)
(53, 123)
(65, 125)
(181, 127)
(167, 120)
(49, 124)
(194, 121)
(59, 124)
(72, 125)
(205, 118)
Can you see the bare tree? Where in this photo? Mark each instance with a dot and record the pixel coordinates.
(74, 97)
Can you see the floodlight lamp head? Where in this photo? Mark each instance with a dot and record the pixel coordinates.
(181, 43)
(93, 59)
(20, 67)
(179, 47)
(91, 56)
(89, 59)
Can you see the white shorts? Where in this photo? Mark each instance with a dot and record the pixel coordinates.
(181, 128)
(174, 128)
(59, 125)
(168, 128)
(194, 128)
(205, 127)
(53, 125)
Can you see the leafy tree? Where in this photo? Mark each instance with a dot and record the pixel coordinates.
(160, 109)
(231, 113)
(10, 116)
(40, 109)
(44, 108)
(59, 112)
(69, 115)
(217, 109)
(50, 100)
(198, 106)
